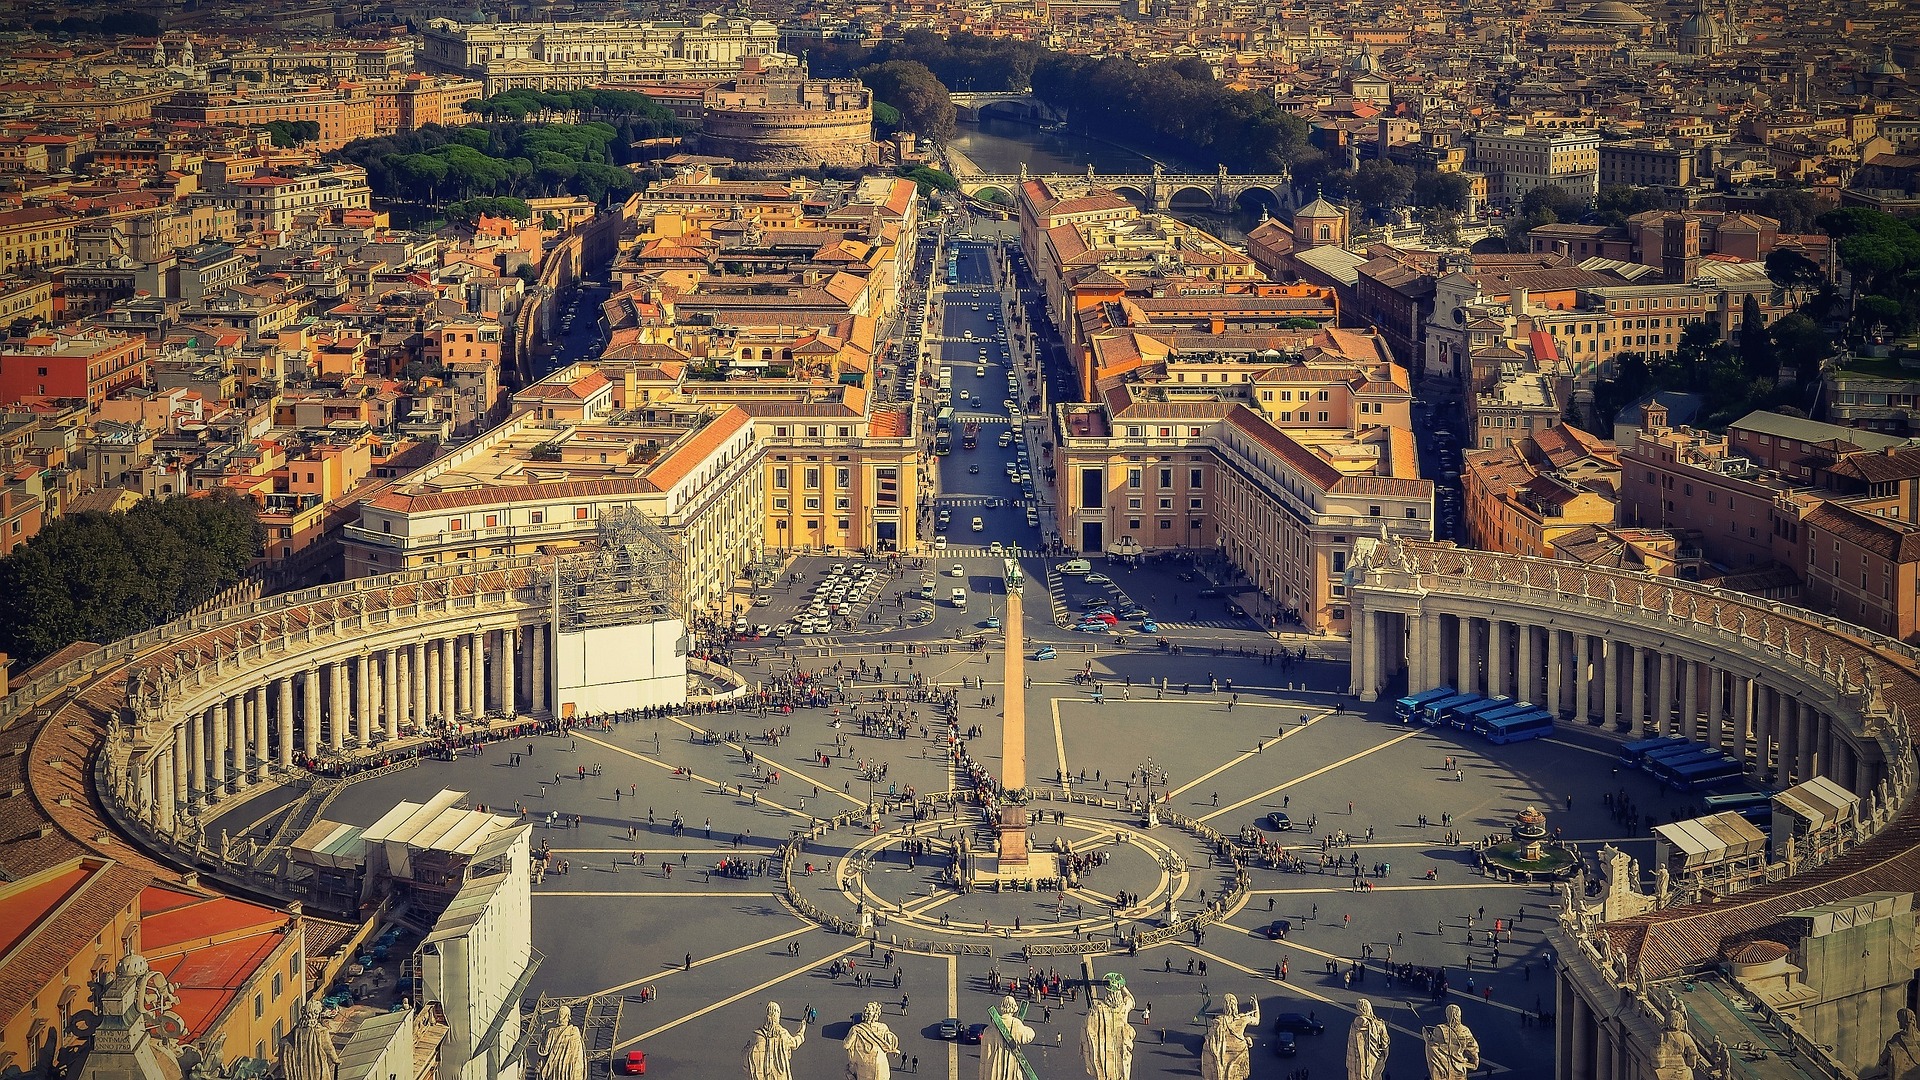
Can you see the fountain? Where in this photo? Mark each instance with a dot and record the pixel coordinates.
(1527, 854)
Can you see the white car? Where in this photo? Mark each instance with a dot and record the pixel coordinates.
(957, 571)
(978, 525)
(939, 543)
(996, 548)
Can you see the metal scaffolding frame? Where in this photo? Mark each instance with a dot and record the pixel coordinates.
(634, 574)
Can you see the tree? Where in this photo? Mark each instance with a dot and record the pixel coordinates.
(1757, 358)
(1380, 186)
(1192, 69)
(1437, 191)
(1543, 205)
(1618, 202)
(1792, 271)
(911, 88)
(1799, 342)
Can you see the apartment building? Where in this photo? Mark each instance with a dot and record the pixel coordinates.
(1646, 163)
(1518, 160)
(1746, 517)
(539, 482)
(345, 112)
(1525, 496)
(1279, 465)
(87, 365)
(413, 101)
(1863, 545)
(276, 203)
(35, 237)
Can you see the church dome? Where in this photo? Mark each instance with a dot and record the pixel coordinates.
(1611, 13)
(1884, 65)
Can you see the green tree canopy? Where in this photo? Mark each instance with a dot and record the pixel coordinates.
(911, 88)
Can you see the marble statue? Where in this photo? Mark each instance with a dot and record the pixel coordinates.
(562, 1056)
(1225, 1051)
(1901, 1058)
(1452, 1051)
(1000, 1057)
(868, 1046)
(1662, 882)
(1106, 1045)
(769, 1053)
(1366, 1044)
(1676, 1054)
(310, 1053)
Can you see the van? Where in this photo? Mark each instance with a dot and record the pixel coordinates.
(959, 598)
(1076, 566)
(926, 589)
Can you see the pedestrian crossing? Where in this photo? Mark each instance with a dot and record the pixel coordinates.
(987, 501)
(954, 551)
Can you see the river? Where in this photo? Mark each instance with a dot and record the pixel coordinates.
(1001, 146)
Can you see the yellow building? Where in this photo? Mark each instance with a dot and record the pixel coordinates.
(35, 237)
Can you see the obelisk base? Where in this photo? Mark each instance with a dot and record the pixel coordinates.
(1013, 837)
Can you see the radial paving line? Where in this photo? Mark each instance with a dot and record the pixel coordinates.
(1263, 744)
(1485, 1062)
(666, 895)
(697, 730)
(1348, 760)
(748, 992)
(703, 779)
(803, 928)
(953, 1009)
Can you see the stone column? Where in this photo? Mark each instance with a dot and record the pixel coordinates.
(283, 699)
(1370, 656)
(337, 722)
(1555, 662)
(418, 682)
(1811, 725)
(1526, 679)
(1416, 654)
(1786, 725)
(1663, 703)
(163, 790)
(1582, 1040)
(262, 756)
(1496, 657)
(1637, 692)
(390, 684)
(142, 770)
(537, 684)
(197, 752)
(449, 705)
(1689, 699)
(222, 718)
(477, 670)
(509, 662)
(1358, 641)
(362, 698)
(1582, 678)
(1563, 1003)
(239, 722)
(1466, 681)
(1610, 682)
(182, 754)
(1742, 717)
(310, 713)
(1716, 707)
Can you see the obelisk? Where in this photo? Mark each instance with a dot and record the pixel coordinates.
(1013, 734)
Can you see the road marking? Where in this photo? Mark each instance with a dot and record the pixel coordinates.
(953, 1009)
(1060, 746)
(1425, 886)
(617, 892)
(1263, 744)
(803, 928)
(710, 782)
(699, 730)
(1488, 1063)
(1277, 788)
(748, 992)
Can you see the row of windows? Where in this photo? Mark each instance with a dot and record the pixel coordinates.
(810, 478)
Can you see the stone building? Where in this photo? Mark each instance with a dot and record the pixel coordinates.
(779, 119)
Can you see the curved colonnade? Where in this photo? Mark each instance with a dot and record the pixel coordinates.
(1792, 693)
(206, 708)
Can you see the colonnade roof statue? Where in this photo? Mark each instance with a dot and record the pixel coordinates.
(769, 1053)
(1367, 1044)
(1106, 1045)
(1452, 1051)
(562, 1053)
(310, 1053)
(869, 1046)
(1226, 1049)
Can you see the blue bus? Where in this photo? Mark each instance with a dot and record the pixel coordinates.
(1738, 800)
(1464, 716)
(1408, 707)
(1662, 768)
(1511, 708)
(1633, 752)
(1434, 712)
(1652, 761)
(1537, 724)
(1702, 774)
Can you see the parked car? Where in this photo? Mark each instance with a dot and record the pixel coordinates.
(950, 1028)
(1278, 929)
(1098, 579)
(1076, 566)
(1149, 627)
(1094, 626)
(1298, 1023)
(1279, 822)
(1284, 1044)
(1046, 652)
(635, 1063)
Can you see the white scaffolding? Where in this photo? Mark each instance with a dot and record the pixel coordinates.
(632, 576)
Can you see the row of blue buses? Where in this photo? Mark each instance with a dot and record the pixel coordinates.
(1497, 719)
(1683, 764)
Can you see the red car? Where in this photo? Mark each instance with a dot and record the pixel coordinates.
(1107, 617)
(635, 1063)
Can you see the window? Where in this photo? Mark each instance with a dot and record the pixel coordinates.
(1133, 479)
(259, 1006)
(1166, 504)
(1133, 523)
(780, 502)
(457, 524)
(812, 478)
(780, 478)
(1166, 478)
(1373, 511)
(1133, 504)
(1413, 512)
(579, 513)
(813, 502)
(843, 524)
(1196, 478)
(493, 520)
(843, 478)
(539, 517)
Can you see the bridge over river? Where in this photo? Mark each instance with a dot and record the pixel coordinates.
(1155, 189)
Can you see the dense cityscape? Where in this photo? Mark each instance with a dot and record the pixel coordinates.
(1167, 537)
